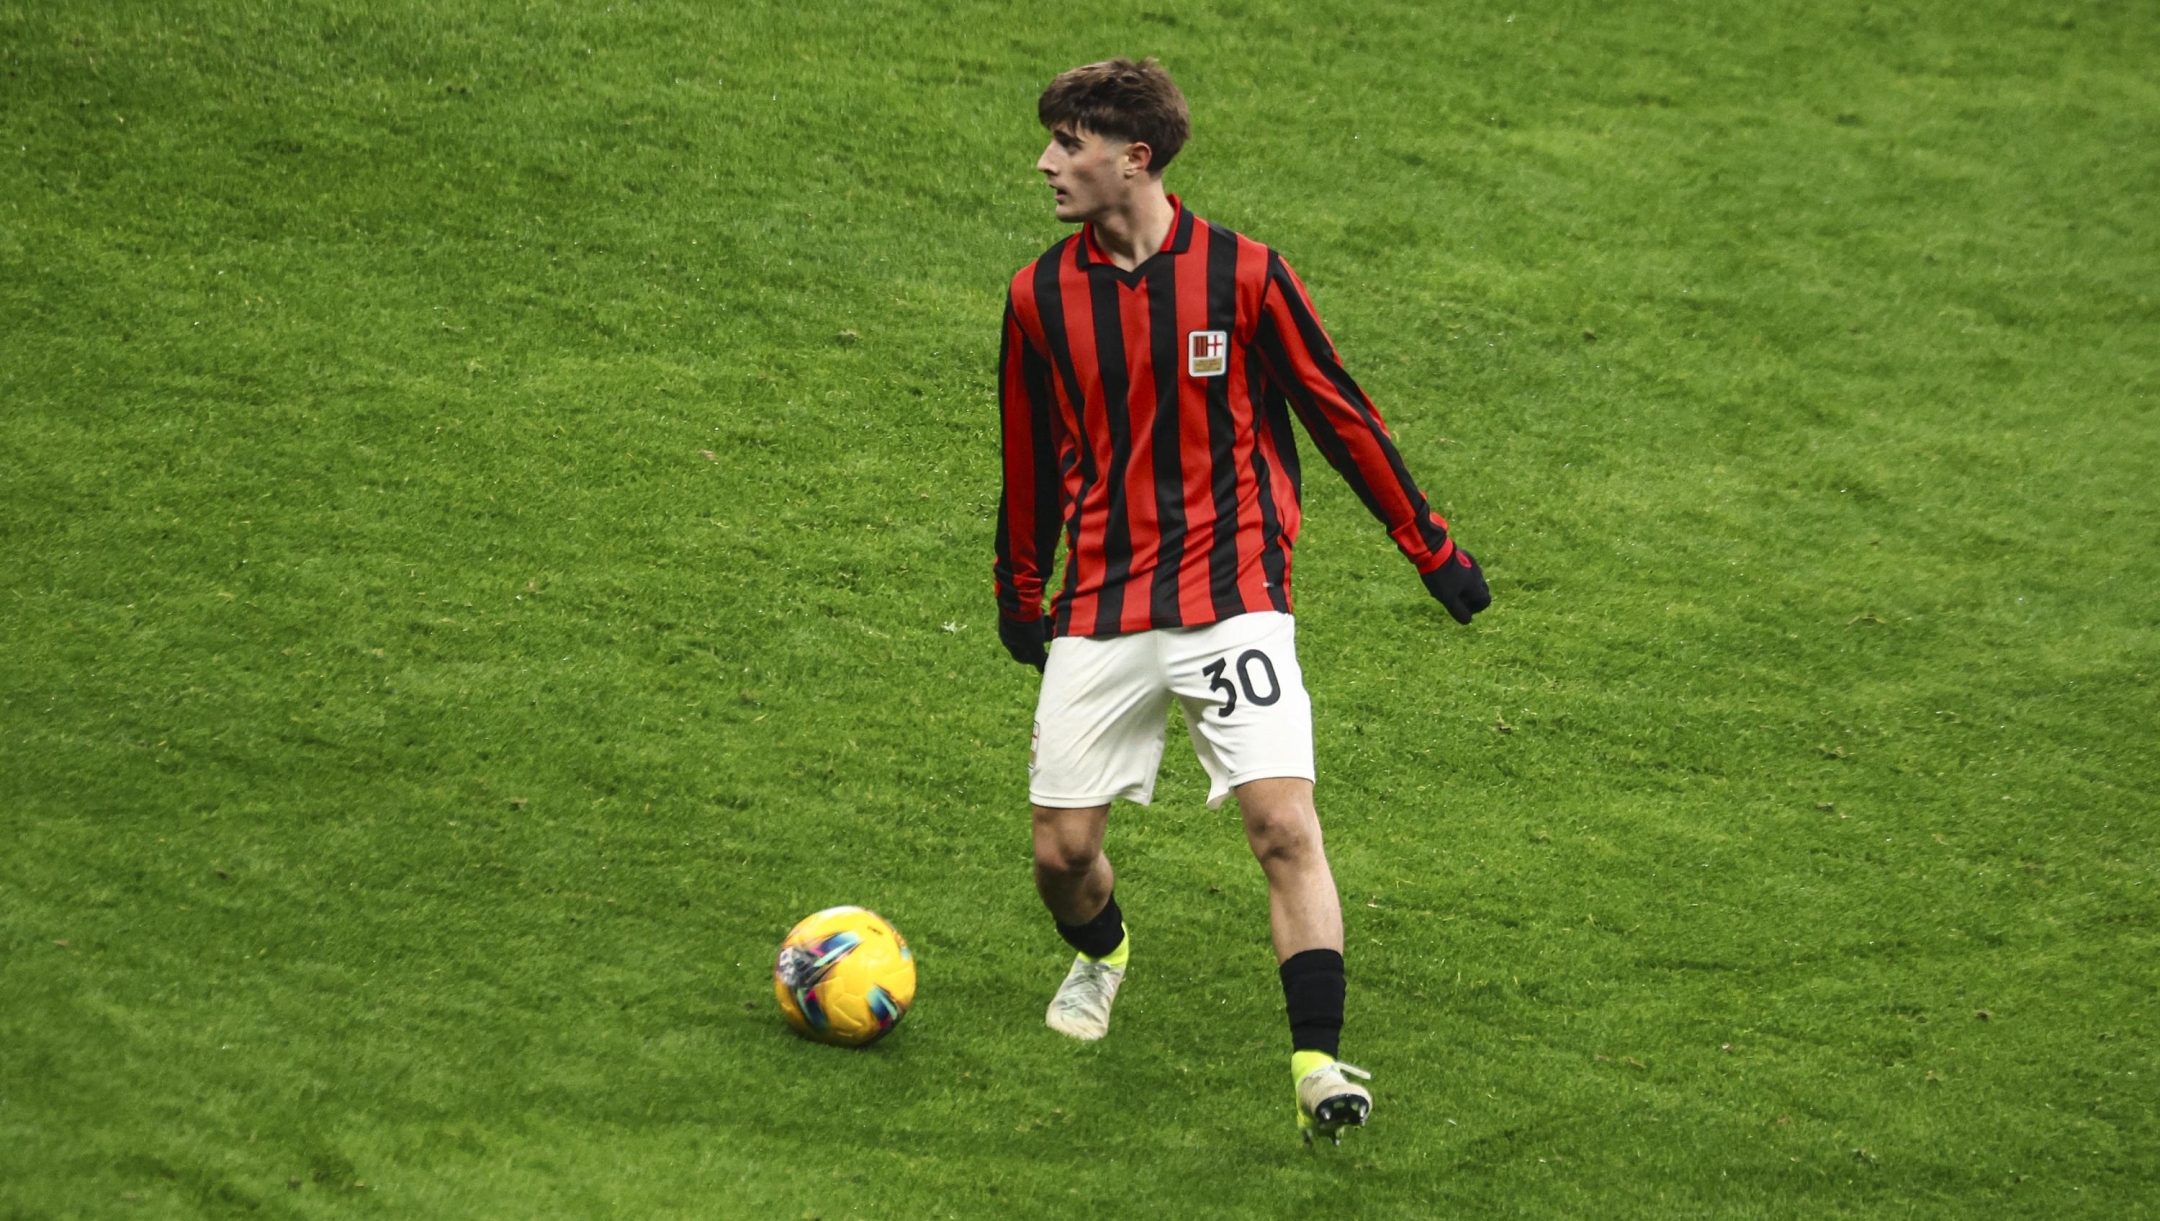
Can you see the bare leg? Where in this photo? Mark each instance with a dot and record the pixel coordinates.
(1284, 829)
(1071, 873)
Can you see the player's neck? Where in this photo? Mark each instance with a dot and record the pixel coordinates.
(1130, 231)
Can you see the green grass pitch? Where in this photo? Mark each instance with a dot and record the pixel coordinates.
(496, 508)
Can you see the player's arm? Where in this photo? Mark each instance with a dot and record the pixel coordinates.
(1028, 517)
(1301, 360)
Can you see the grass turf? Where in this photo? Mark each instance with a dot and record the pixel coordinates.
(497, 507)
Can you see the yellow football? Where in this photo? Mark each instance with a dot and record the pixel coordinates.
(844, 976)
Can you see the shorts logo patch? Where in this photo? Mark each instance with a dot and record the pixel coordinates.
(1207, 353)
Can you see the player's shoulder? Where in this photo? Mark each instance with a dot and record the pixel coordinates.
(1219, 232)
(1255, 260)
(1025, 277)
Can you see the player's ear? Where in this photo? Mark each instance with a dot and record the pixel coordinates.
(1138, 158)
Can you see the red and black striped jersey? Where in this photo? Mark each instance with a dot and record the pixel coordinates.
(1147, 420)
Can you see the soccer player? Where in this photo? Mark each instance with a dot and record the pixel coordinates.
(1151, 365)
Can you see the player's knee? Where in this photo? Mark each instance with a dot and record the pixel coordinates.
(1285, 840)
(1058, 860)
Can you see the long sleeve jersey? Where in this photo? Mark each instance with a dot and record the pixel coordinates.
(1146, 418)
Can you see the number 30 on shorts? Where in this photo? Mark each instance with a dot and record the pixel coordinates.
(1216, 681)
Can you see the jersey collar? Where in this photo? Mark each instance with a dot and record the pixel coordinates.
(1181, 227)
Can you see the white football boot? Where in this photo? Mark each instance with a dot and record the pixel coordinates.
(1081, 1007)
(1328, 1101)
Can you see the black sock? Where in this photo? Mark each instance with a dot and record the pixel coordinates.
(1312, 988)
(1098, 936)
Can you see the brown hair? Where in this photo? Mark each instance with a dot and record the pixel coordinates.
(1134, 102)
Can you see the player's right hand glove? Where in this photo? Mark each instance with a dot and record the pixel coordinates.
(1029, 641)
(1459, 585)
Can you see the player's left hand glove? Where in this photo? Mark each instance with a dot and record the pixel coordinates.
(1459, 585)
(1028, 642)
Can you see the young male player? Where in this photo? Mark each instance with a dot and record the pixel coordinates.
(1151, 364)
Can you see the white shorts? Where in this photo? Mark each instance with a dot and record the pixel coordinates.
(1105, 708)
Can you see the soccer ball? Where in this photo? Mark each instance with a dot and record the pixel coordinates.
(844, 976)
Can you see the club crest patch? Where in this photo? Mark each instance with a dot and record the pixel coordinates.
(1207, 353)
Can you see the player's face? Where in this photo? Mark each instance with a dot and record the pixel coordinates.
(1089, 173)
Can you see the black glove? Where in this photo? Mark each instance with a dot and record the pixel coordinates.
(1459, 585)
(1028, 642)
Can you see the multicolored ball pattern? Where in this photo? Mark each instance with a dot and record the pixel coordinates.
(844, 976)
